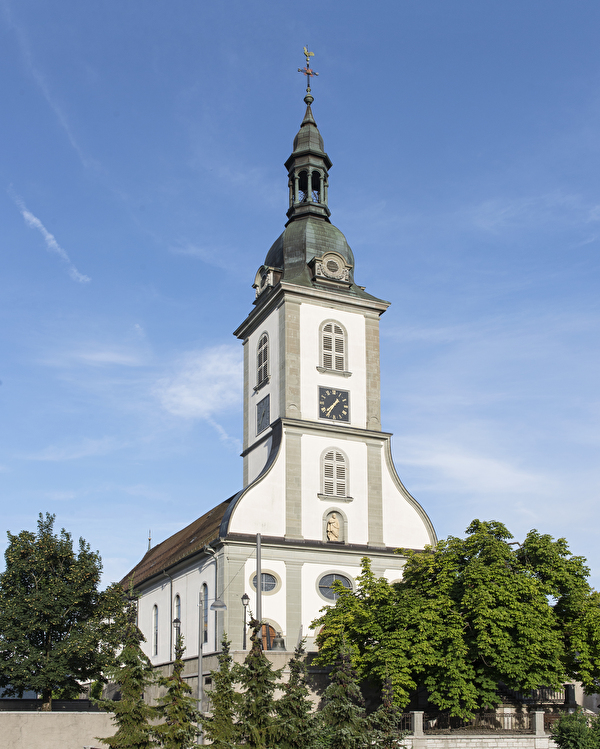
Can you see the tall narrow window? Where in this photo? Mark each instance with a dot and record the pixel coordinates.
(155, 630)
(177, 608)
(262, 360)
(333, 347)
(205, 613)
(335, 474)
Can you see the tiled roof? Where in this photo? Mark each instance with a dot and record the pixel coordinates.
(179, 546)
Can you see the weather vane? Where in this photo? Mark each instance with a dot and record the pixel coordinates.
(308, 71)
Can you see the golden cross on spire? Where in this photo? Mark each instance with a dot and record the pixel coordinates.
(308, 71)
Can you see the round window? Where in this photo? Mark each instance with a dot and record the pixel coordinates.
(267, 582)
(326, 585)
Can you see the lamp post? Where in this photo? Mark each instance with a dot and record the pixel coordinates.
(176, 627)
(245, 602)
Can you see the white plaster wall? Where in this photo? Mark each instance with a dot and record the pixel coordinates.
(311, 317)
(262, 508)
(188, 585)
(402, 524)
(273, 604)
(312, 601)
(257, 459)
(60, 730)
(393, 575)
(313, 508)
(271, 327)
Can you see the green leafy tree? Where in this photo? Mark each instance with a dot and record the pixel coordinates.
(296, 727)
(471, 613)
(134, 675)
(58, 629)
(258, 679)
(343, 714)
(576, 731)
(177, 708)
(220, 727)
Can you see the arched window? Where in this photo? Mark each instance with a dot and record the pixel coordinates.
(268, 634)
(316, 187)
(268, 582)
(333, 347)
(205, 613)
(334, 474)
(155, 630)
(326, 585)
(262, 360)
(177, 608)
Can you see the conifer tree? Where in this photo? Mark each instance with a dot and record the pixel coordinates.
(177, 708)
(296, 724)
(259, 680)
(220, 727)
(343, 714)
(134, 675)
(384, 724)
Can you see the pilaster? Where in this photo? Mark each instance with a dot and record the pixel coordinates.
(375, 500)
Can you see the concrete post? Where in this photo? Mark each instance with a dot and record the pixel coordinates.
(539, 723)
(417, 723)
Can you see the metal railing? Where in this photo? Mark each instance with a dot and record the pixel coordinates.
(501, 721)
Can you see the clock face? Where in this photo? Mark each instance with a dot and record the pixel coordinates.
(334, 404)
(263, 415)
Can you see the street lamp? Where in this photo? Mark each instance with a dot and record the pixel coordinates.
(245, 602)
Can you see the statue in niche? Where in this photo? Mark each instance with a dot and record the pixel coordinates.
(333, 527)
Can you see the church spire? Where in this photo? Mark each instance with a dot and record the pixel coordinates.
(308, 166)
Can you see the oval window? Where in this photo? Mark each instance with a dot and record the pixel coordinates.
(267, 582)
(326, 585)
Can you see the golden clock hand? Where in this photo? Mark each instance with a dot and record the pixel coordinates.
(332, 406)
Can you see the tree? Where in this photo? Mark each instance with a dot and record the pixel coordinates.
(384, 725)
(177, 708)
(296, 726)
(576, 731)
(343, 714)
(57, 628)
(470, 614)
(134, 675)
(258, 679)
(220, 727)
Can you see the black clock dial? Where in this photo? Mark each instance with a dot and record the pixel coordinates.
(334, 404)
(263, 415)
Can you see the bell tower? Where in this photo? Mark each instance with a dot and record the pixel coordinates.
(312, 424)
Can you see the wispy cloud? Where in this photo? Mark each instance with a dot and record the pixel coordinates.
(203, 384)
(218, 257)
(51, 243)
(45, 89)
(85, 448)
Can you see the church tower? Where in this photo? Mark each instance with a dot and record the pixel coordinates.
(319, 483)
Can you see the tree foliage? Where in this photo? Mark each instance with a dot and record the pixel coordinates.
(577, 731)
(470, 614)
(258, 679)
(177, 708)
(296, 727)
(220, 727)
(343, 713)
(134, 674)
(57, 628)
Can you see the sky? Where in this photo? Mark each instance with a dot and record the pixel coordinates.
(142, 183)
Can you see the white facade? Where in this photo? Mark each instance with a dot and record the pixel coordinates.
(319, 482)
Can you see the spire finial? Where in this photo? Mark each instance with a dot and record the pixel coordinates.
(308, 72)
(149, 540)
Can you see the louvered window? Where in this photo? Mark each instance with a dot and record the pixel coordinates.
(335, 479)
(333, 347)
(262, 360)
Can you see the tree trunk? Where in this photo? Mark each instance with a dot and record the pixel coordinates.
(47, 701)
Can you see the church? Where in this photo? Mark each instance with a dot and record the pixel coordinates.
(320, 490)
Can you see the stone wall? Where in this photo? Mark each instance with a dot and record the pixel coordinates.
(38, 730)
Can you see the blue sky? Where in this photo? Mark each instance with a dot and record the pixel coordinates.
(142, 183)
